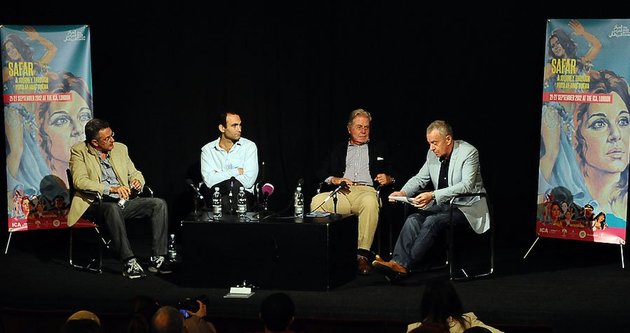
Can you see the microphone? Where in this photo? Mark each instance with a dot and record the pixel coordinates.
(267, 190)
(300, 182)
(341, 186)
(190, 182)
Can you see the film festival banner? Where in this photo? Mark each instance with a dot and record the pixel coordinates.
(47, 84)
(585, 131)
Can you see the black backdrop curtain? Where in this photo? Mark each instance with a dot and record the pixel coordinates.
(294, 71)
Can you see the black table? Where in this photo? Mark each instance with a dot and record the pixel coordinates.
(313, 253)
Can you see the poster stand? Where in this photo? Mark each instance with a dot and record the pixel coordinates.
(623, 261)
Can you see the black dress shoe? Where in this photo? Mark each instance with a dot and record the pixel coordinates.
(363, 265)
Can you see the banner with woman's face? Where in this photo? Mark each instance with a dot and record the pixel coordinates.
(47, 80)
(585, 131)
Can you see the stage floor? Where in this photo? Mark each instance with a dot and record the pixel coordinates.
(563, 286)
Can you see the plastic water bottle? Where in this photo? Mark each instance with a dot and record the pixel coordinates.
(241, 203)
(172, 248)
(299, 203)
(122, 202)
(216, 204)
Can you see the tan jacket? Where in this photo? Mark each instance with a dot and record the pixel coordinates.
(85, 167)
(455, 327)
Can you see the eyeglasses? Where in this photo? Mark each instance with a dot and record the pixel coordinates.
(108, 138)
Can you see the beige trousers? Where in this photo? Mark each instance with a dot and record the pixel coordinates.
(358, 200)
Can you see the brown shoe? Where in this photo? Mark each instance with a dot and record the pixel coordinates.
(390, 268)
(378, 259)
(363, 265)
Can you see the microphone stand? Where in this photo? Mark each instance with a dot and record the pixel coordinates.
(334, 215)
(196, 211)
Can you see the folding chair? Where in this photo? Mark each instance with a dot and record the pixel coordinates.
(87, 221)
(478, 258)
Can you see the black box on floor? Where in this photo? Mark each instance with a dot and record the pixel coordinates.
(278, 253)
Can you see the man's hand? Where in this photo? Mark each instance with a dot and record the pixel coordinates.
(337, 180)
(202, 312)
(422, 199)
(135, 184)
(241, 171)
(397, 194)
(384, 179)
(123, 191)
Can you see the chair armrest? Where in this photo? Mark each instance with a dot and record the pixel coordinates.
(147, 191)
(96, 194)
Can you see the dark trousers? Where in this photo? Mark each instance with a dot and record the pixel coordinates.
(420, 231)
(114, 217)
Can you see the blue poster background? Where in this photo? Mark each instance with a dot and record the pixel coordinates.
(585, 131)
(47, 98)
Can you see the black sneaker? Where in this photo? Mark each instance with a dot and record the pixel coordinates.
(159, 264)
(132, 269)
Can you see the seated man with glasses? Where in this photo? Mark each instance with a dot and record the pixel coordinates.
(102, 165)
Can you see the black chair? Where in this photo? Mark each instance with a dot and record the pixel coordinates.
(386, 220)
(91, 219)
(94, 264)
(469, 255)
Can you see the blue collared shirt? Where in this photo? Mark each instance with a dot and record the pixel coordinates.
(218, 165)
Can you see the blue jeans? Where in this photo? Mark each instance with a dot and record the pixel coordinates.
(420, 231)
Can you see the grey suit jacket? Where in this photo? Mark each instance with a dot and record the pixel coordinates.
(464, 176)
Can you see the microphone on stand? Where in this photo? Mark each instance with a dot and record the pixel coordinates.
(341, 186)
(198, 196)
(190, 182)
(267, 191)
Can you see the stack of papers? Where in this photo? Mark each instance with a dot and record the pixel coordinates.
(239, 292)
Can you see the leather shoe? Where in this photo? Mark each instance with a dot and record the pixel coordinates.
(393, 270)
(363, 265)
(378, 258)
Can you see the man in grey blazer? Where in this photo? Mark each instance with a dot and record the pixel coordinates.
(452, 167)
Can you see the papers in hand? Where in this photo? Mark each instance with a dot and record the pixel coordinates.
(408, 201)
(400, 198)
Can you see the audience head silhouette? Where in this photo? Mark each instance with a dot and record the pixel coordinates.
(82, 321)
(167, 320)
(142, 309)
(440, 302)
(276, 312)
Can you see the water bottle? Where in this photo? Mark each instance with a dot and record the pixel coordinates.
(122, 202)
(299, 203)
(241, 203)
(172, 249)
(216, 204)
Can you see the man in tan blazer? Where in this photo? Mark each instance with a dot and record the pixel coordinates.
(102, 165)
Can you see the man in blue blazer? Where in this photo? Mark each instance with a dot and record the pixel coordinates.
(362, 165)
(452, 167)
